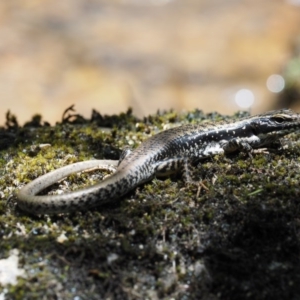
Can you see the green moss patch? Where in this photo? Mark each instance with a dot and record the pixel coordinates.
(239, 239)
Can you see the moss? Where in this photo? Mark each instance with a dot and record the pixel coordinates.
(238, 239)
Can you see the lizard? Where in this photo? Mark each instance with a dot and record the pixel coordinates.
(168, 151)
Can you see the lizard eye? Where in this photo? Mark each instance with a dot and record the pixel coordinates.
(277, 119)
(280, 118)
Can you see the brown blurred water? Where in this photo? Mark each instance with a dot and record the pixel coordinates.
(150, 55)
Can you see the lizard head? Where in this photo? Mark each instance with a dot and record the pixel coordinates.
(278, 122)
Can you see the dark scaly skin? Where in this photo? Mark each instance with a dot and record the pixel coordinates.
(164, 152)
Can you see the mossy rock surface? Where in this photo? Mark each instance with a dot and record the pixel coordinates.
(238, 239)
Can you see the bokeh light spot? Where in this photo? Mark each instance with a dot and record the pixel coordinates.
(244, 98)
(275, 83)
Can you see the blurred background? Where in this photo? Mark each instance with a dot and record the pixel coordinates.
(109, 55)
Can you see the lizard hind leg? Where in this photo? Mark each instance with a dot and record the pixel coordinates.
(168, 166)
(187, 174)
(183, 165)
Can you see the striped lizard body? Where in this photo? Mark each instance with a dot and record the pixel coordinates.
(164, 152)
